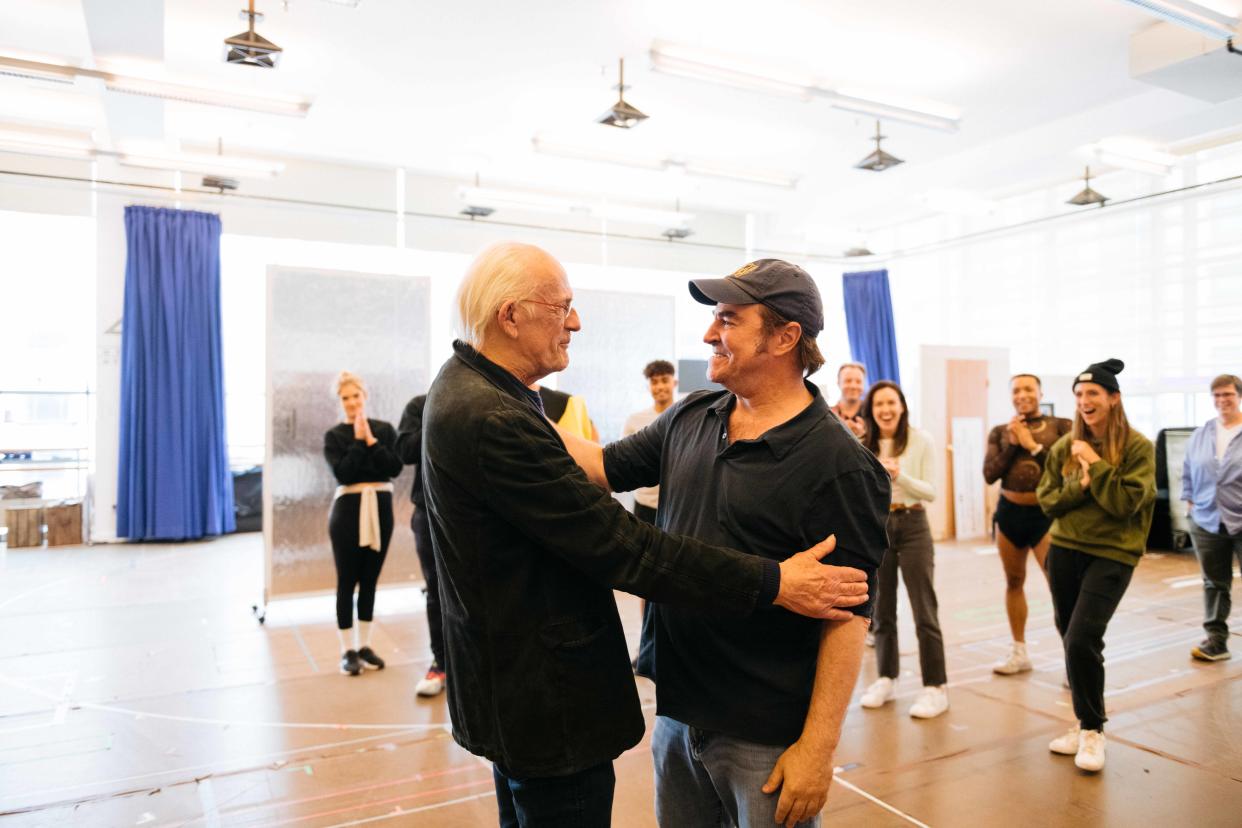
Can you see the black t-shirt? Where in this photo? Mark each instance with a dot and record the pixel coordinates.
(773, 496)
(353, 461)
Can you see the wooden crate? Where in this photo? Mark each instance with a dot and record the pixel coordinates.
(25, 527)
(64, 524)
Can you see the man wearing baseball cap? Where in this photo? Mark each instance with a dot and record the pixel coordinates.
(749, 711)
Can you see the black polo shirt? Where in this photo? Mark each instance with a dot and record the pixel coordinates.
(773, 496)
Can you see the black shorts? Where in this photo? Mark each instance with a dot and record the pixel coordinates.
(1023, 525)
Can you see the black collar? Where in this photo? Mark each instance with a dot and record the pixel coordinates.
(781, 439)
(497, 376)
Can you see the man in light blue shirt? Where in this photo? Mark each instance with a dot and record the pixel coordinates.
(1212, 489)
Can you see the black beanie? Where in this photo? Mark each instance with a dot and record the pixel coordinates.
(1103, 374)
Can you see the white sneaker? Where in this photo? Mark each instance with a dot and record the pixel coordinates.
(1017, 661)
(879, 692)
(931, 703)
(1067, 743)
(1090, 756)
(431, 684)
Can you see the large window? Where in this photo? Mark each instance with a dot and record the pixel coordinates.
(47, 349)
(1157, 284)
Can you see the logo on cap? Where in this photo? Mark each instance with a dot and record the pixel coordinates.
(744, 269)
(1084, 377)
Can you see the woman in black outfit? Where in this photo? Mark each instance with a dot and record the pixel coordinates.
(363, 457)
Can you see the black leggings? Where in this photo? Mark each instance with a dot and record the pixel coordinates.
(356, 565)
(1086, 590)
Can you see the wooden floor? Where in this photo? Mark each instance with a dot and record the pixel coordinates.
(137, 689)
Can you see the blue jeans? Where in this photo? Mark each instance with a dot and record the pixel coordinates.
(579, 800)
(1216, 551)
(709, 780)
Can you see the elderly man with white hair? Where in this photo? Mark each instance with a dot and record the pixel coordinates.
(529, 551)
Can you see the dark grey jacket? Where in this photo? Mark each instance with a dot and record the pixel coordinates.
(528, 552)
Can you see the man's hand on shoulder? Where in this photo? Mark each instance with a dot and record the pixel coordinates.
(803, 776)
(810, 588)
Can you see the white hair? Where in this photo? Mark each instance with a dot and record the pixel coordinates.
(501, 273)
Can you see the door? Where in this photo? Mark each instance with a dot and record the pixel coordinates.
(966, 402)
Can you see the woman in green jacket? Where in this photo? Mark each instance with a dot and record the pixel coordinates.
(1099, 486)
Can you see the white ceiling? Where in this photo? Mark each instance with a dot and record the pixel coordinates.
(460, 88)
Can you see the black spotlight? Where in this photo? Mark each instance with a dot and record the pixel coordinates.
(622, 115)
(251, 48)
(878, 161)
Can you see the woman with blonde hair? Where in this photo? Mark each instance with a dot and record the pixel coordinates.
(1099, 487)
(362, 454)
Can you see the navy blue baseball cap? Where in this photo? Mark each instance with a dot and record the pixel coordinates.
(784, 288)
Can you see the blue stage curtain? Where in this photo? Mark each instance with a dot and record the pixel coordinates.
(174, 481)
(869, 321)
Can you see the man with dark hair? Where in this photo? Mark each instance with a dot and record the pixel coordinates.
(661, 382)
(852, 380)
(1212, 489)
(749, 711)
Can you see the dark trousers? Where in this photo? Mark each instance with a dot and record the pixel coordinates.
(579, 800)
(1086, 590)
(1216, 551)
(357, 566)
(427, 560)
(911, 552)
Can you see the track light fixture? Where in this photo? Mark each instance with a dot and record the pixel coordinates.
(251, 48)
(1088, 195)
(622, 114)
(878, 161)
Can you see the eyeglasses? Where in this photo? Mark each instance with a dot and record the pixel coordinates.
(563, 310)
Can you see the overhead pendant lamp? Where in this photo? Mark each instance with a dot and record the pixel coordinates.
(878, 161)
(1088, 195)
(856, 252)
(251, 48)
(622, 115)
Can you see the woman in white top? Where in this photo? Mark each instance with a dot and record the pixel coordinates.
(909, 456)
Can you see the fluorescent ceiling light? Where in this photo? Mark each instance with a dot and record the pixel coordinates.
(1190, 15)
(674, 60)
(675, 164)
(133, 85)
(1133, 155)
(685, 62)
(228, 165)
(56, 143)
(561, 205)
(890, 111)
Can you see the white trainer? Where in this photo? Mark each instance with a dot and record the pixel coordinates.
(931, 703)
(1067, 743)
(1017, 661)
(1090, 756)
(878, 693)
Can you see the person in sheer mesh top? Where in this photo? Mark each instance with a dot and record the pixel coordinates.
(1015, 456)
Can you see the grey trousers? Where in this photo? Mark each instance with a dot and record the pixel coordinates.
(909, 550)
(1216, 551)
